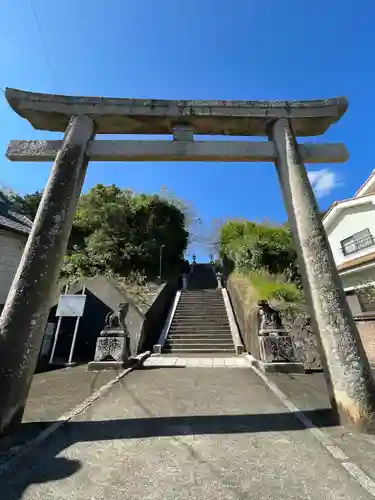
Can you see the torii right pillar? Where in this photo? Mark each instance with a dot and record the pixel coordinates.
(347, 370)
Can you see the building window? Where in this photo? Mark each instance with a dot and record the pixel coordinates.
(358, 241)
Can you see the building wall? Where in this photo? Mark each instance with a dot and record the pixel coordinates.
(366, 328)
(11, 248)
(358, 277)
(349, 222)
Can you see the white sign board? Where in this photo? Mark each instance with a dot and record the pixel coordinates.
(71, 305)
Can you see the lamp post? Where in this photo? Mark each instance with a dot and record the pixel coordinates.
(160, 260)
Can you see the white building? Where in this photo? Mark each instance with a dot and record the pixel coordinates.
(350, 226)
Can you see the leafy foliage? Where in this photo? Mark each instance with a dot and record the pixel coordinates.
(121, 232)
(273, 287)
(254, 286)
(26, 205)
(263, 259)
(247, 245)
(29, 204)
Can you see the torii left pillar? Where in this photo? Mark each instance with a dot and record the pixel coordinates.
(25, 313)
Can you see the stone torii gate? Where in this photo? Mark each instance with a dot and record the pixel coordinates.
(25, 313)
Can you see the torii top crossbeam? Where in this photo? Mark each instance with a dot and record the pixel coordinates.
(157, 116)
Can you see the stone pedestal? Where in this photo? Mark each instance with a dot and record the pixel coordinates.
(112, 350)
(276, 350)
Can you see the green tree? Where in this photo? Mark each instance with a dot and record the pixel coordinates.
(248, 245)
(120, 232)
(29, 204)
(26, 205)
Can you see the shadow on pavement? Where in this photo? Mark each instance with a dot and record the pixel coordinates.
(57, 468)
(43, 465)
(134, 428)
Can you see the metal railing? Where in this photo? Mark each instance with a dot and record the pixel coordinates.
(355, 246)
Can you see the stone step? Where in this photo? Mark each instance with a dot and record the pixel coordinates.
(186, 332)
(213, 334)
(208, 294)
(197, 322)
(208, 318)
(194, 335)
(206, 322)
(199, 326)
(193, 330)
(197, 349)
(201, 296)
(201, 319)
(203, 338)
(201, 308)
(201, 334)
(202, 303)
(200, 315)
(217, 347)
(193, 342)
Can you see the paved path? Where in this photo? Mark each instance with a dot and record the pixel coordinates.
(53, 394)
(56, 392)
(186, 433)
(309, 392)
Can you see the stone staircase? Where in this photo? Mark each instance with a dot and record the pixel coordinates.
(200, 323)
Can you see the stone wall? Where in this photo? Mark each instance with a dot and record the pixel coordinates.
(156, 315)
(144, 320)
(246, 318)
(11, 248)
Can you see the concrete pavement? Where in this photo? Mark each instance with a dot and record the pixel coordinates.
(53, 394)
(309, 393)
(187, 433)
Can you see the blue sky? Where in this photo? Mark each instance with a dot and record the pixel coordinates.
(198, 49)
